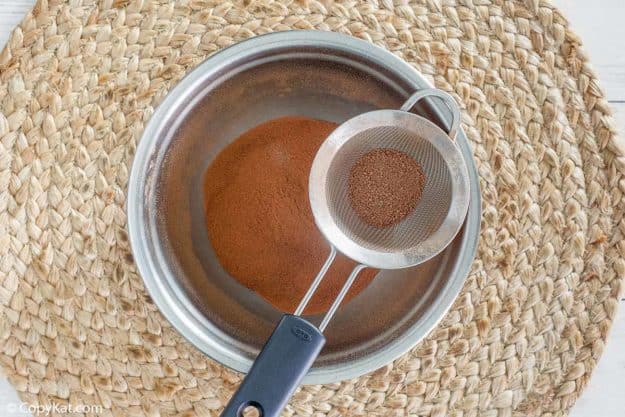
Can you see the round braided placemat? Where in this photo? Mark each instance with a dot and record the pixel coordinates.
(78, 81)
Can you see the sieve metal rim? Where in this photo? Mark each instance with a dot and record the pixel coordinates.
(426, 249)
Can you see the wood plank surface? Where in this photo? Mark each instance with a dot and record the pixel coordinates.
(11, 13)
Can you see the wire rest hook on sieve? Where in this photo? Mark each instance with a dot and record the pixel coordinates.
(445, 98)
(295, 343)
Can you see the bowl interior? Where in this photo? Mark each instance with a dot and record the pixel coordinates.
(317, 83)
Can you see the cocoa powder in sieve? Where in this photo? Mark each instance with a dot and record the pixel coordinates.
(259, 219)
(385, 186)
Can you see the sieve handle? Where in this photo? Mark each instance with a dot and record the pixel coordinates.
(446, 98)
(285, 359)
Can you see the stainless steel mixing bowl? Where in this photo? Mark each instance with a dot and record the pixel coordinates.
(316, 74)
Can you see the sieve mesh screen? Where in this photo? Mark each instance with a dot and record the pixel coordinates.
(426, 218)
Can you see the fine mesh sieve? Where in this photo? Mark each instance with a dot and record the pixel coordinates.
(444, 201)
(295, 343)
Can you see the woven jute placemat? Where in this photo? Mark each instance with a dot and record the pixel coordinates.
(78, 82)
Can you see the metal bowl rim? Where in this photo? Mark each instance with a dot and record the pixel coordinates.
(172, 302)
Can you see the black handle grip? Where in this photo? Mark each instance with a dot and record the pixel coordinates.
(286, 357)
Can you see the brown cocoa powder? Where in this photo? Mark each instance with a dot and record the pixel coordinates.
(385, 186)
(259, 219)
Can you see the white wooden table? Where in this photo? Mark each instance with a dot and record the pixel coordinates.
(601, 25)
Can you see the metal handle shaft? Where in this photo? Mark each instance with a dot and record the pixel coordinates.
(337, 301)
(313, 287)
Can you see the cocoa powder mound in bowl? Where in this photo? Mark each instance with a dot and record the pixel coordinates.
(259, 219)
(385, 186)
